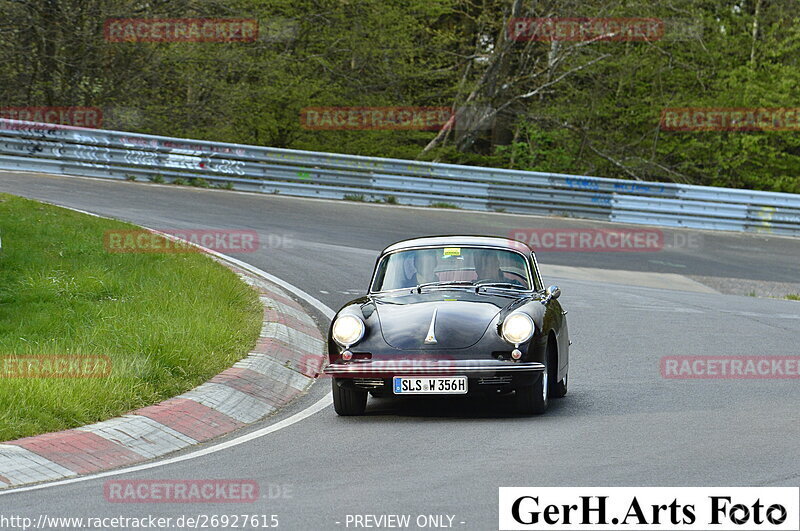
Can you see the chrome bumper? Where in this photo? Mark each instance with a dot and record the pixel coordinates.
(431, 368)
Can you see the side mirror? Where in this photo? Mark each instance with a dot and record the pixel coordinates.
(553, 292)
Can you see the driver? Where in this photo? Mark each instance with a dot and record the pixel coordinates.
(418, 268)
(425, 262)
(487, 268)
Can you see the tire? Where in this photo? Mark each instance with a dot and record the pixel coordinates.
(534, 399)
(561, 387)
(348, 402)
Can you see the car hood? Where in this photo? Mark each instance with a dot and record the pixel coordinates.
(462, 318)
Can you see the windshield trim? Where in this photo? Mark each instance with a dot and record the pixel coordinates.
(530, 277)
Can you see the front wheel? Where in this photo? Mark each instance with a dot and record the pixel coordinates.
(347, 401)
(561, 387)
(533, 399)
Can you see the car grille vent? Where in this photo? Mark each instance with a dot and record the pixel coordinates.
(368, 383)
(494, 380)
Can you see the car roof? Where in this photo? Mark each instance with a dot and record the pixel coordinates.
(456, 241)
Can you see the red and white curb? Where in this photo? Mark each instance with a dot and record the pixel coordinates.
(288, 357)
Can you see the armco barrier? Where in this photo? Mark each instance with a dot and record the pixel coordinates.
(66, 150)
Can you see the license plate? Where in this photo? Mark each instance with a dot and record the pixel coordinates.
(429, 385)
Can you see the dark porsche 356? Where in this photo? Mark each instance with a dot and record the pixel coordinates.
(451, 315)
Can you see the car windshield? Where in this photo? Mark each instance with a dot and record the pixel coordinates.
(465, 266)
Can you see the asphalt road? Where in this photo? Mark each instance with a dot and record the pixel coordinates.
(621, 424)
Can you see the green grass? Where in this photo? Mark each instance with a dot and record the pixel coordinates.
(442, 204)
(168, 322)
(793, 297)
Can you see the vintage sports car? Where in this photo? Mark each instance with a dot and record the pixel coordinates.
(451, 315)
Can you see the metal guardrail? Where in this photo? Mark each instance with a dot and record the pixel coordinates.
(66, 150)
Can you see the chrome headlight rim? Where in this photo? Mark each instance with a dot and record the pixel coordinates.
(355, 338)
(516, 341)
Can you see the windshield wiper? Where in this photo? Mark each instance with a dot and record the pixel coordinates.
(444, 283)
(507, 285)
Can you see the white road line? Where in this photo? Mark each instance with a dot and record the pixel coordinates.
(316, 407)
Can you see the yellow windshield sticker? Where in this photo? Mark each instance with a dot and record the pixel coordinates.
(452, 251)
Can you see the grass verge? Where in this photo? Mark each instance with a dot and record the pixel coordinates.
(167, 322)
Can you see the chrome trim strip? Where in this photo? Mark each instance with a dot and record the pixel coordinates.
(537, 271)
(494, 380)
(430, 339)
(393, 368)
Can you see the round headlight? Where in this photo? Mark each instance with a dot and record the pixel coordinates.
(347, 330)
(517, 328)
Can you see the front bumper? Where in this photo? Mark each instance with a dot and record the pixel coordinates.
(470, 368)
